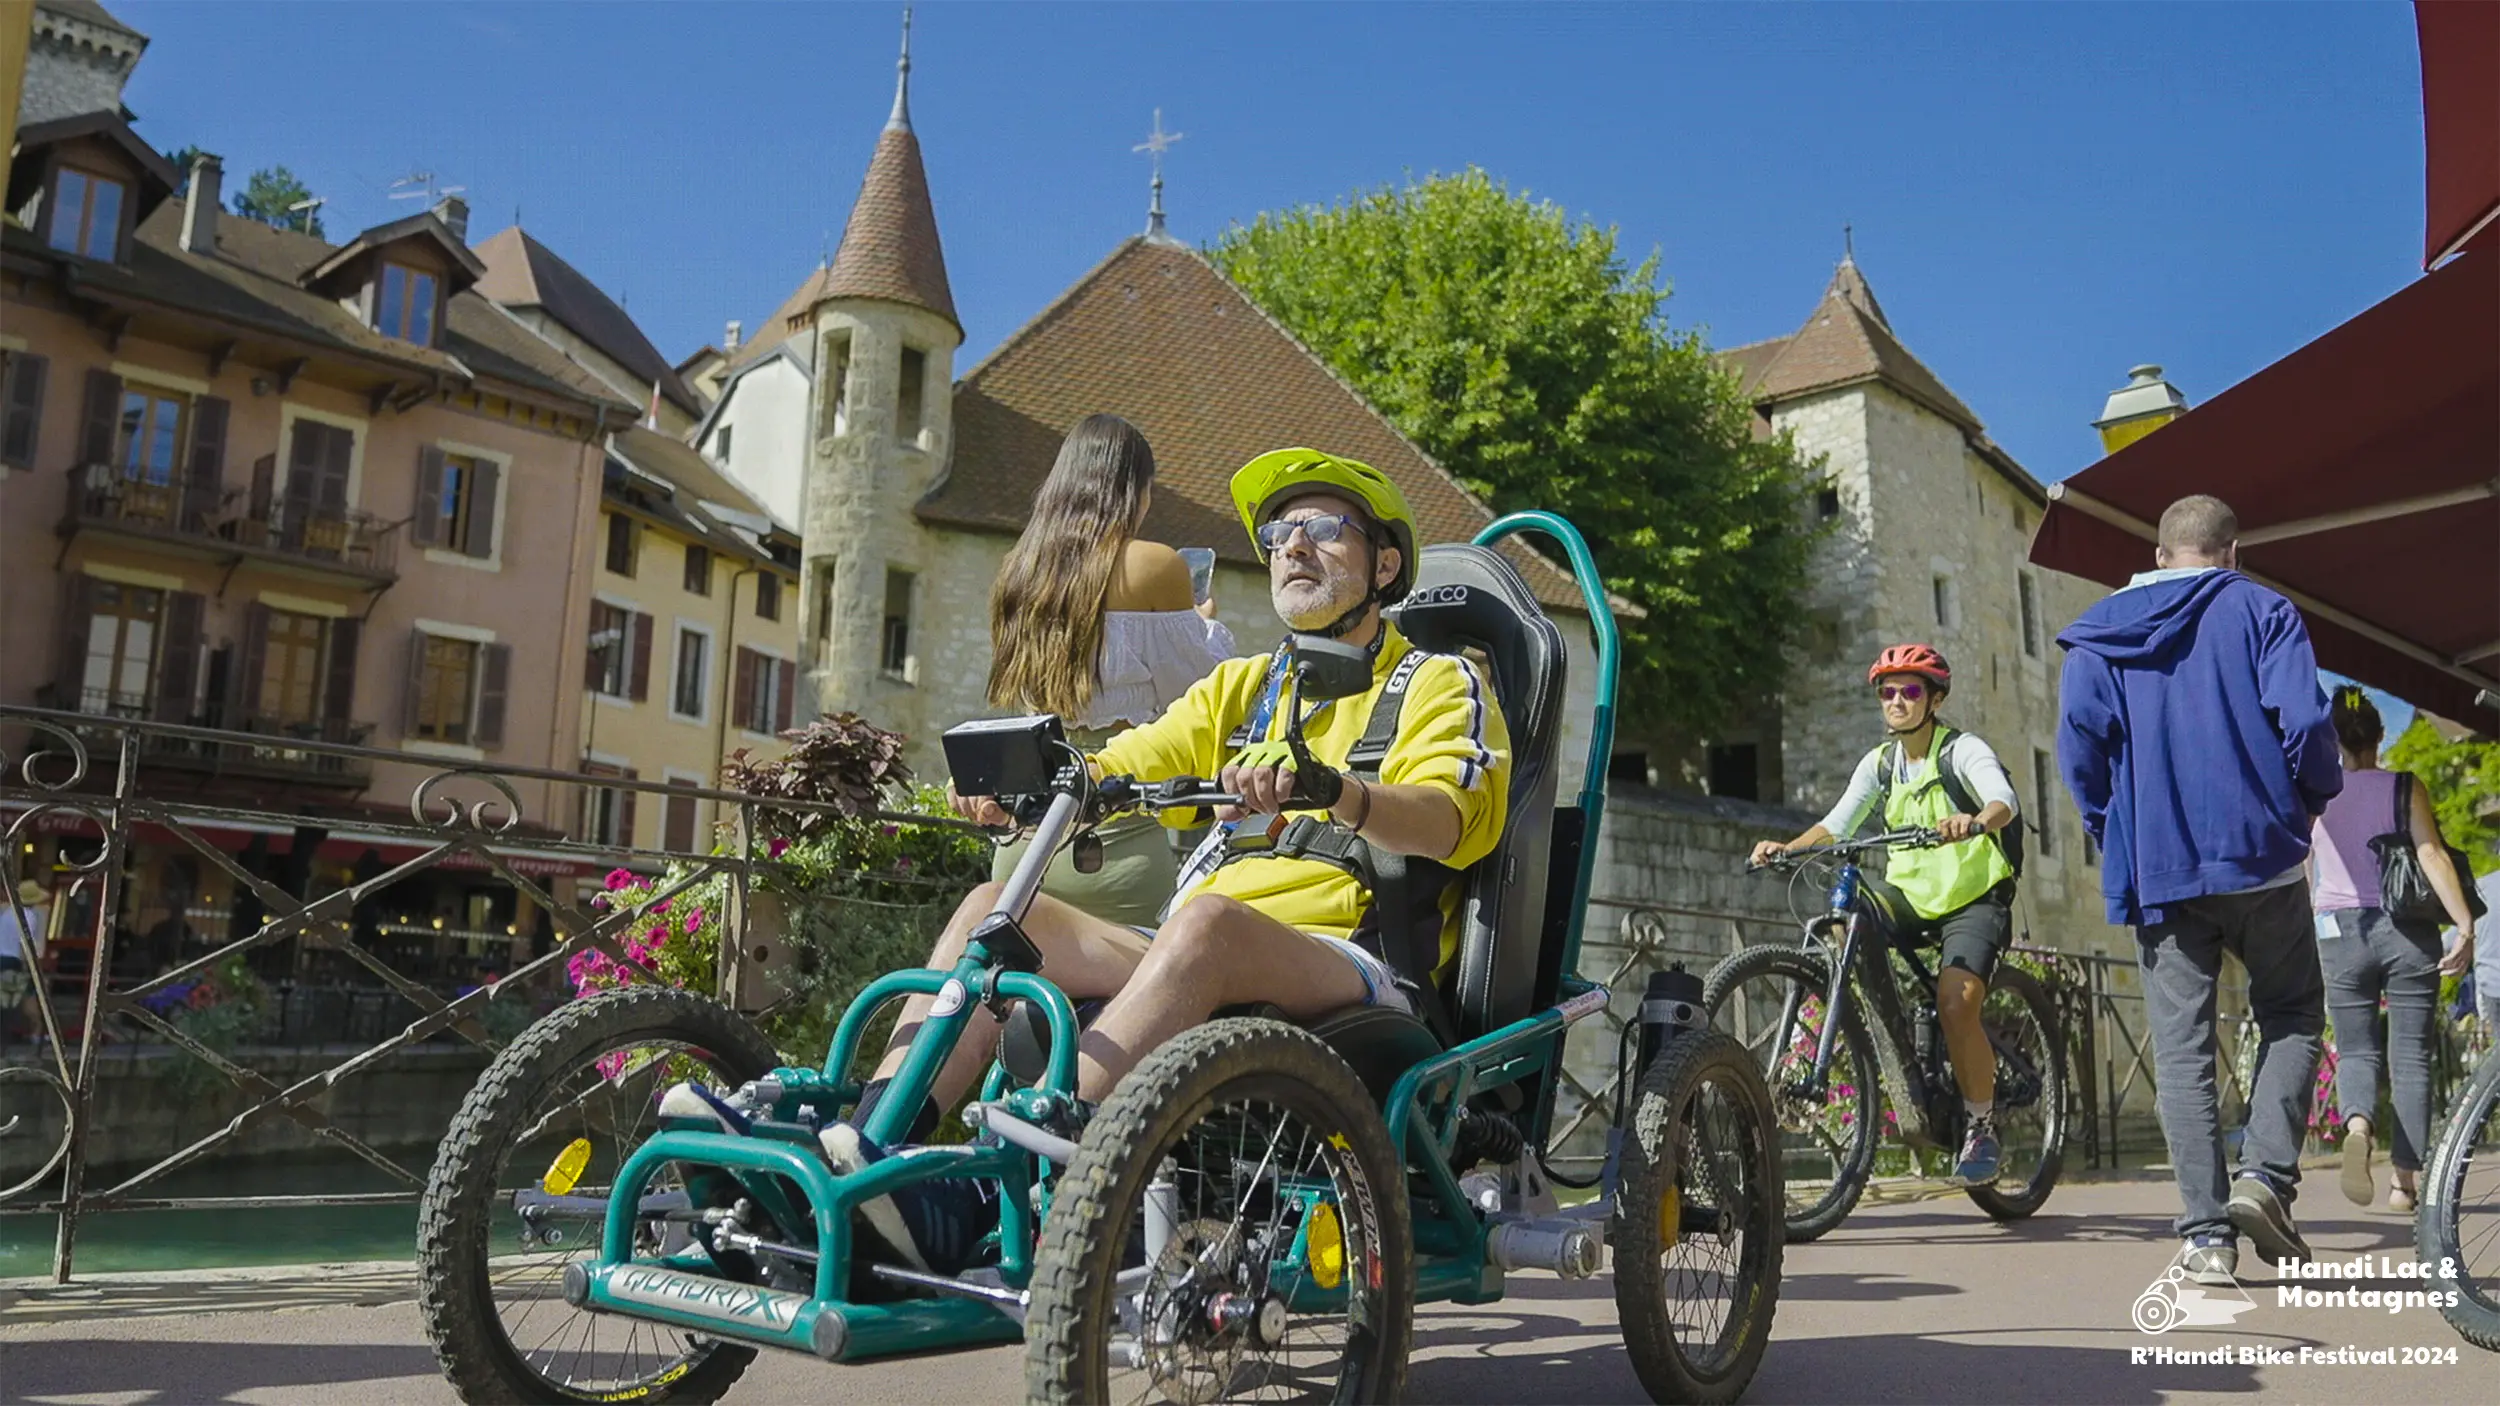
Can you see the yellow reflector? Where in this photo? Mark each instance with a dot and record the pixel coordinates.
(1326, 1244)
(565, 1172)
(1670, 1217)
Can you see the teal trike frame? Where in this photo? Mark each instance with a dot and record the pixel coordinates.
(780, 1169)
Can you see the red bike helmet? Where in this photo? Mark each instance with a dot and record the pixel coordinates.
(1920, 659)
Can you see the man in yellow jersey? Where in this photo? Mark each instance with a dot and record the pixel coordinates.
(1929, 776)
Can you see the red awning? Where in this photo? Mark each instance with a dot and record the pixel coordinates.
(2460, 122)
(2365, 469)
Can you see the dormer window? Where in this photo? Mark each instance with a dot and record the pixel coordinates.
(404, 305)
(86, 214)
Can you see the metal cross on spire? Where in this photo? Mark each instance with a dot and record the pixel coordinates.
(1848, 243)
(1156, 143)
(901, 116)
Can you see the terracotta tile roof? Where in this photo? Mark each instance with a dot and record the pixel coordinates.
(786, 319)
(890, 247)
(1156, 335)
(521, 272)
(1846, 340)
(253, 281)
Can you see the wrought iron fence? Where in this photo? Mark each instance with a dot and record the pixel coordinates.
(81, 774)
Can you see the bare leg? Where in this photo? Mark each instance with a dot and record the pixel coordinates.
(1959, 996)
(1084, 955)
(1214, 952)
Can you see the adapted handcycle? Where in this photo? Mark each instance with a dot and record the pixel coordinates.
(1830, 1074)
(1255, 1211)
(2456, 1225)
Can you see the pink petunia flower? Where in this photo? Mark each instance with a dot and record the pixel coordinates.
(612, 1063)
(620, 878)
(694, 922)
(779, 847)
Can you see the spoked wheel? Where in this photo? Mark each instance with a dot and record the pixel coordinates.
(1234, 1228)
(521, 1187)
(2031, 1095)
(1696, 1232)
(1774, 1001)
(2459, 1217)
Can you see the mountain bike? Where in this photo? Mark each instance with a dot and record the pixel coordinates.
(1255, 1210)
(1832, 1074)
(2457, 1224)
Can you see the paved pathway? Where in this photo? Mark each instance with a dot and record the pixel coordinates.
(1915, 1300)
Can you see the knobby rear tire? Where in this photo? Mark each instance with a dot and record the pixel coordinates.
(1855, 1165)
(455, 1222)
(1996, 1200)
(2438, 1223)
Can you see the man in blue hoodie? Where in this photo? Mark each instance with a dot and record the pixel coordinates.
(2196, 742)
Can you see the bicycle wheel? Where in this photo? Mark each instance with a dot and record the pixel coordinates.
(586, 1079)
(1772, 1001)
(1696, 1232)
(1234, 1226)
(2458, 1220)
(2030, 1047)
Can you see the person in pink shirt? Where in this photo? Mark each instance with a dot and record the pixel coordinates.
(2367, 953)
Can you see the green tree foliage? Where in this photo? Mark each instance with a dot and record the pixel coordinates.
(2464, 780)
(1518, 348)
(182, 159)
(270, 197)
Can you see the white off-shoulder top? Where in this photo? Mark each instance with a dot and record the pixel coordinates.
(1149, 659)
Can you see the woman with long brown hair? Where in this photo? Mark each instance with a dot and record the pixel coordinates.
(1101, 627)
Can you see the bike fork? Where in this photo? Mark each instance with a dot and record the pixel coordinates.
(1835, 1006)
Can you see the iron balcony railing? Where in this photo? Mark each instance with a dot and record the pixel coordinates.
(352, 542)
(278, 751)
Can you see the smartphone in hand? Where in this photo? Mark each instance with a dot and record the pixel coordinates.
(1201, 572)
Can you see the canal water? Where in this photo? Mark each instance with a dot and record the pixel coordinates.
(114, 1241)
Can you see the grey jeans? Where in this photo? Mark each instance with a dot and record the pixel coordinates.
(2273, 935)
(2373, 955)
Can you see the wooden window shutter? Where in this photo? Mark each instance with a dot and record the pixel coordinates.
(103, 411)
(255, 659)
(742, 705)
(413, 701)
(625, 811)
(639, 686)
(338, 449)
(426, 527)
(677, 823)
(494, 682)
(303, 480)
(178, 655)
(788, 675)
(21, 409)
(207, 476)
(594, 674)
(481, 490)
(77, 614)
(264, 487)
(339, 703)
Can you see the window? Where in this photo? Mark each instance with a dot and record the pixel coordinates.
(121, 647)
(21, 408)
(2027, 589)
(911, 394)
(698, 569)
(290, 672)
(1827, 501)
(1735, 771)
(86, 214)
(834, 372)
(2043, 776)
(894, 646)
(446, 682)
(607, 813)
(624, 544)
(767, 596)
(821, 579)
(677, 827)
(1948, 612)
(720, 443)
(693, 673)
(147, 441)
(404, 307)
(765, 692)
(456, 502)
(619, 663)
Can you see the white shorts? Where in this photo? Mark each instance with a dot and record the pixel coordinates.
(1380, 984)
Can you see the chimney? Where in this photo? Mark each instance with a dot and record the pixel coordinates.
(454, 212)
(2144, 404)
(729, 339)
(199, 213)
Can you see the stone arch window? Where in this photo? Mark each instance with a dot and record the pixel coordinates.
(833, 374)
(911, 396)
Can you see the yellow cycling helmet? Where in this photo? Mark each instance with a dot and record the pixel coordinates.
(1265, 483)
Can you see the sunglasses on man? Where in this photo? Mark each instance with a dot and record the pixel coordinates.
(1321, 528)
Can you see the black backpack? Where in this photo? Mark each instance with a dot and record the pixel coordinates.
(2009, 840)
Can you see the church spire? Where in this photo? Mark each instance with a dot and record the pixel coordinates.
(890, 249)
(900, 119)
(1156, 143)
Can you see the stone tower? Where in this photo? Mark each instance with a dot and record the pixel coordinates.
(881, 427)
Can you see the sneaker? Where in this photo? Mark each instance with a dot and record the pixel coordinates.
(2400, 1201)
(1980, 1154)
(2358, 1185)
(2257, 1211)
(935, 1227)
(692, 1107)
(2212, 1260)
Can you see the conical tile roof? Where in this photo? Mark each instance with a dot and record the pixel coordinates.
(890, 248)
(1846, 340)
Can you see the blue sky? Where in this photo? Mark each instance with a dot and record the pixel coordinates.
(2043, 195)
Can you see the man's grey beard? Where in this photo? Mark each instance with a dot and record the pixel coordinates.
(1313, 605)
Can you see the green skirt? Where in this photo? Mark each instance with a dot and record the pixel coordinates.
(1131, 887)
